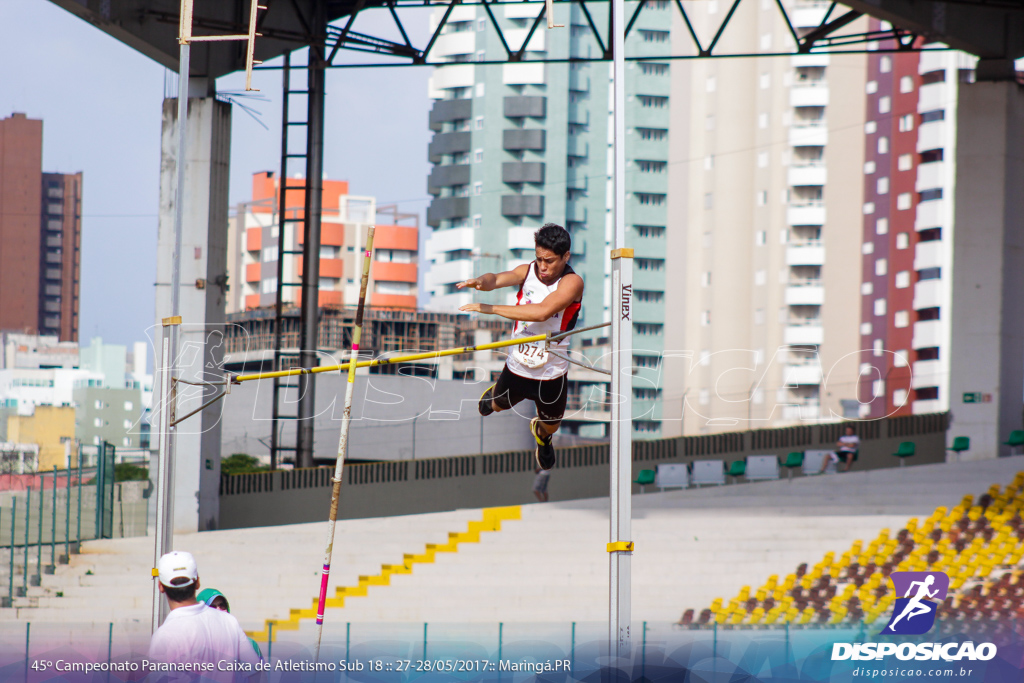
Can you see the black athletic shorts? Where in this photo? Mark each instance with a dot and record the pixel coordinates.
(549, 394)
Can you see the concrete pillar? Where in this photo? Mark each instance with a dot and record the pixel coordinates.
(203, 295)
(987, 343)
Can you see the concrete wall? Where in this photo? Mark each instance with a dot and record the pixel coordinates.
(400, 488)
(987, 341)
(383, 412)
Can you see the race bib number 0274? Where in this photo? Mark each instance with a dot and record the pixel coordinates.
(532, 355)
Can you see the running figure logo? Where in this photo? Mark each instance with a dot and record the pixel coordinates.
(914, 613)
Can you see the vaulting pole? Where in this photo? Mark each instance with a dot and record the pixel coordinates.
(346, 418)
(620, 547)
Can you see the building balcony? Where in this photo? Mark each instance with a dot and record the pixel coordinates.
(441, 274)
(803, 411)
(930, 176)
(805, 293)
(933, 135)
(929, 255)
(521, 238)
(575, 179)
(933, 96)
(577, 147)
(522, 205)
(517, 139)
(454, 76)
(803, 331)
(805, 214)
(520, 106)
(929, 294)
(523, 73)
(457, 43)
(445, 111)
(928, 333)
(929, 406)
(808, 175)
(930, 373)
(384, 271)
(579, 81)
(812, 59)
(810, 253)
(253, 272)
(930, 214)
(808, 134)
(522, 172)
(809, 94)
(455, 239)
(446, 209)
(803, 372)
(576, 212)
(516, 39)
(808, 17)
(446, 176)
(448, 143)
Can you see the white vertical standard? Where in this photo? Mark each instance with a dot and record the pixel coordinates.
(620, 547)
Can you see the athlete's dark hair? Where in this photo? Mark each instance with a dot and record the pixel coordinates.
(554, 237)
(180, 593)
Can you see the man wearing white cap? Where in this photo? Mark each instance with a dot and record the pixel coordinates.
(195, 633)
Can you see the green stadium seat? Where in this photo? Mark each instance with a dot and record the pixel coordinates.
(1016, 439)
(645, 478)
(960, 444)
(905, 450)
(737, 468)
(794, 460)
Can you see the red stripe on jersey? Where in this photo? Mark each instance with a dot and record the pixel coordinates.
(569, 317)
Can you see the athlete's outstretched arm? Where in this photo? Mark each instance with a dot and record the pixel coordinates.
(570, 288)
(491, 281)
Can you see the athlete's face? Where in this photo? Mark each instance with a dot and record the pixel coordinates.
(550, 265)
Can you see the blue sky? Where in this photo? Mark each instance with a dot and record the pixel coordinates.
(100, 103)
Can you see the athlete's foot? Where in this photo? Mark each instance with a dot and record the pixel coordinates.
(545, 452)
(486, 398)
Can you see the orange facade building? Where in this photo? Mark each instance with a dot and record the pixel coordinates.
(253, 250)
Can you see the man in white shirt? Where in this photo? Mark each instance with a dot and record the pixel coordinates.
(846, 450)
(193, 633)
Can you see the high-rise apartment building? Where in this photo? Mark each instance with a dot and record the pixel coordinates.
(522, 144)
(40, 236)
(909, 174)
(764, 227)
(253, 250)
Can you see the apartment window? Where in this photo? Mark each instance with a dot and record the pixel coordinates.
(933, 77)
(867, 248)
(650, 199)
(903, 201)
(706, 240)
(879, 306)
(936, 115)
(901, 318)
(481, 24)
(705, 357)
(99, 405)
(654, 36)
(705, 278)
(869, 167)
(883, 145)
(709, 162)
(477, 220)
(882, 186)
(867, 288)
(766, 81)
(652, 166)
(709, 200)
(762, 120)
(127, 424)
(653, 264)
(653, 101)
(902, 240)
(906, 123)
(650, 296)
(759, 316)
(269, 254)
(479, 123)
(705, 318)
(478, 188)
(871, 87)
(762, 159)
(655, 134)
(884, 105)
(885, 65)
(881, 266)
(128, 406)
(762, 198)
(905, 162)
(648, 329)
(930, 195)
(760, 277)
(760, 238)
(478, 156)
(929, 274)
(865, 329)
(97, 422)
(704, 397)
(877, 348)
(871, 127)
(899, 358)
(903, 279)
(899, 397)
(882, 226)
(645, 361)
(710, 84)
(709, 122)
(652, 231)
(906, 84)
(652, 69)
(869, 208)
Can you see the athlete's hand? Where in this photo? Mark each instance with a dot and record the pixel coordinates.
(474, 283)
(477, 308)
